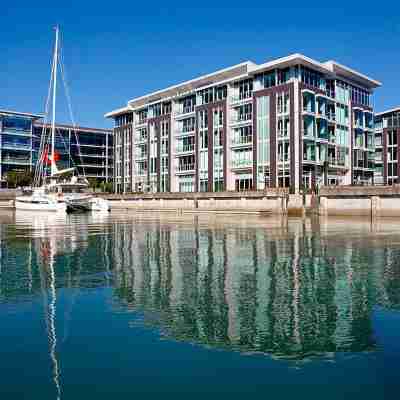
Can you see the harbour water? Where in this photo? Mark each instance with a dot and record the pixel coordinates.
(124, 304)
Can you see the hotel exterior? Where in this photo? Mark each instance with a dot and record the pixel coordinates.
(387, 147)
(292, 122)
(20, 135)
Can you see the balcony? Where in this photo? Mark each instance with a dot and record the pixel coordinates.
(184, 112)
(141, 139)
(140, 156)
(16, 132)
(308, 110)
(336, 163)
(241, 119)
(308, 134)
(184, 149)
(309, 157)
(185, 169)
(358, 124)
(242, 141)
(241, 164)
(283, 133)
(187, 132)
(16, 146)
(16, 160)
(283, 158)
(241, 98)
(141, 121)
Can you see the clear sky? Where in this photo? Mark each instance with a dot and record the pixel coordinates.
(115, 51)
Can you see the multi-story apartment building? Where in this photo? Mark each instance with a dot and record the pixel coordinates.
(17, 150)
(90, 150)
(292, 122)
(387, 144)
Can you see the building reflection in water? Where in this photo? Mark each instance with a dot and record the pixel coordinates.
(294, 293)
(291, 290)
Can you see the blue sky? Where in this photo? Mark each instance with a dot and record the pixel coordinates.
(115, 51)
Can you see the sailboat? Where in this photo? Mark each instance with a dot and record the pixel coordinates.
(55, 192)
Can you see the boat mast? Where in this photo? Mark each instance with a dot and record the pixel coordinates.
(53, 123)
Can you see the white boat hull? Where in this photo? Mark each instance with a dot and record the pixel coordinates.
(99, 204)
(30, 204)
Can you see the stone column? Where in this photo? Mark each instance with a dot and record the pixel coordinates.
(375, 206)
(323, 206)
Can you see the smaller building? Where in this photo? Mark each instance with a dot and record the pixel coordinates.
(90, 150)
(387, 147)
(17, 151)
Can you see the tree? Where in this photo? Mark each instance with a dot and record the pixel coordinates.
(19, 178)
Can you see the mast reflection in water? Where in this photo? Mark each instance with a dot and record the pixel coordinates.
(295, 290)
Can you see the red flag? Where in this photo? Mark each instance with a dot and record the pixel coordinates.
(46, 158)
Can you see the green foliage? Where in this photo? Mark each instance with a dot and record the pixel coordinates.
(107, 187)
(94, 183)
(19, 178)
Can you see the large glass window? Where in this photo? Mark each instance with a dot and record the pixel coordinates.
(15, 123)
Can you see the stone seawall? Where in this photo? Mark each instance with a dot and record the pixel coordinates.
(372, 201)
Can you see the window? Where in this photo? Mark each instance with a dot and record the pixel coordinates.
(211, 95)
(311, 78)
(283, 75)
(360, 96)
(268, 79)
(243, 89)
(15, 123)
(203, 185)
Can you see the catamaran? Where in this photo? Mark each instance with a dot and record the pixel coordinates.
(54, 189)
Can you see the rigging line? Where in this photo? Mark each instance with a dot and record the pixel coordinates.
(66, 148)
(67, 95)
(39, 166)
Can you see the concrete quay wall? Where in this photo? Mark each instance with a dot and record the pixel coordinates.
(374, 201)
(275, 202)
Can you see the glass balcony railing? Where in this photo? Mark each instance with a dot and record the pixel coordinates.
(283, 133)
(185, 168)
(242, 163)
(184, 149)
(242, 140)
(308, 157)
(16, 145)
(308, 109)
(16, 160)
(18, 132)
(241, 96)
(283, 158)
(308, 133)
(241, 118)
(185, 110)
(185, 131)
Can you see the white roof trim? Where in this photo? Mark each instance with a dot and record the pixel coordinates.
(116, 112)
(392, 110)
(187, 85)
(292, 59)
(22, 114)
(339, 68)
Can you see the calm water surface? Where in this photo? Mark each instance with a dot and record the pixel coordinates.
(185, 306)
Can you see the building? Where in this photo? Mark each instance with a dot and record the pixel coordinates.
(90, 148)
(16, 145)
(292, 122)
(387, 142)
